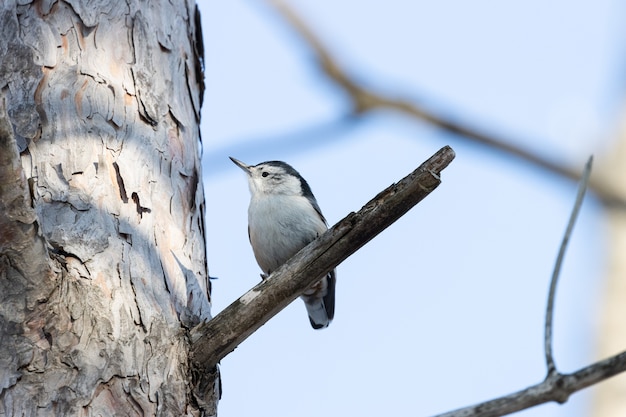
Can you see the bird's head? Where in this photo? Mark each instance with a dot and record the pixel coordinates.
(274, 178)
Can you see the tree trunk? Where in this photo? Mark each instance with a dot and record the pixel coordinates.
(102, 256)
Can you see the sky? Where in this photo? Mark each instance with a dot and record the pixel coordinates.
(446, 307)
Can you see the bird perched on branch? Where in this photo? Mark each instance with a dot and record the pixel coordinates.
(284, 217)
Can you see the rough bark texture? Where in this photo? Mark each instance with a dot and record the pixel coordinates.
(102, 256)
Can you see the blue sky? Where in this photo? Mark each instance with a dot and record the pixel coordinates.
(445, 308)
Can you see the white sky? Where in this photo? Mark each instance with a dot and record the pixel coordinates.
(446, 307)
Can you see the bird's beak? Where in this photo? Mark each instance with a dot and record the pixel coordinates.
(241, 165)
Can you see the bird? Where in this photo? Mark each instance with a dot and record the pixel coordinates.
(284, 217)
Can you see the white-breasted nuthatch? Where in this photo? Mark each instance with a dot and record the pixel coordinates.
(284, 217)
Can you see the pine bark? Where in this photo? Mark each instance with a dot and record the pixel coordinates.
(102, 255)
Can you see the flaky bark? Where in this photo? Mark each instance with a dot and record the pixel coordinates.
(102, 257)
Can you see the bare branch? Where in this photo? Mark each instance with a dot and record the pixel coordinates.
(213, 340)
(557, 267)
(556, 387)
(365, 99)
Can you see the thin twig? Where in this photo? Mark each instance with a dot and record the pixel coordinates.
(365, 99)
(582, 187)
(213, 340)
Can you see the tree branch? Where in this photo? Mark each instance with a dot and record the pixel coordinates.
(365, 99)
(556, 387)
(213, 340)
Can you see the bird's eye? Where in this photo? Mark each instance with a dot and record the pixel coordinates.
(265, 174)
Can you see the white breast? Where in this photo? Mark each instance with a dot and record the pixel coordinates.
(280, 226)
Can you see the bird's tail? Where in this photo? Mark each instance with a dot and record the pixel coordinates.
(319, 301)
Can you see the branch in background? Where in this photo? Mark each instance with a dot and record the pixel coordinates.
(213, 340)
(365, 100)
